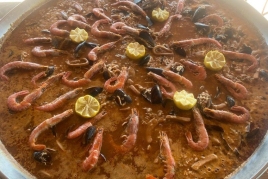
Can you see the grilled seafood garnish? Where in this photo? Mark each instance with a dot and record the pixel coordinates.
(47, 124)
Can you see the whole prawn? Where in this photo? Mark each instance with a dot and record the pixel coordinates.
(77, 20)
(194, 42)
(103, 34)
(228, 116)
(201, 131)
(94, 152)
(74, 83)
(92, 55)
(166, 156)
(48, 123)
(237, 90)
(99, 12)
(180, 6)
(20, 65)
(119, 81)
(198, 71)
(94, 69)
(168, 24)
(37, 40)
(55, 30)
(177, 78)
(60, 101)
(39, 52)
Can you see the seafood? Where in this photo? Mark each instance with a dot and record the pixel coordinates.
(121, 97)
(74, 83)
(77, 20)
(94, 152)
(197, 70)
(168, 24)
(94, 69)
(103, 34)
(81, 129)
(200, 12)
(164, 85)
(90, 132)
(42, 156)
(21, 65)
(77, 63)
(94, 91)
(119, 81)
(48, 123)
(82, 44)
(201, 131)
(55, 30)
(43, 74)
(117, 27)
(180, 6)
(162, 50)
(244, 56)
(194, 42)
(228, 116)
(166, 156)
(154, 95)
(12, 103)
(177, 78)
(237, 90)
(135, 8)
(37, 40)
(92, 55)
(99, 12)
(60, 101)
(39, 52)
(213, 18)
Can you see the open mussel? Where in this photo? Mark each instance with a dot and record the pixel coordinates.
(145, 38)
(50, 70)
(84, 44)
(121, 97)
(154, 95)
(155, 70)
(180, 51)
(94, 91)
(178, 68)
(42, 156)
(90, 132)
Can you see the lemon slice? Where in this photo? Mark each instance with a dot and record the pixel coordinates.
(135, 51)
(87, 106)
(160, 15)
(78, 35)
(184, 100)
(214, 60)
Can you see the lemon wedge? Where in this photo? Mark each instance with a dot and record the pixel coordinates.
(78, 35)
(184, 100)
(160, 15)
(87, 106)
(135, 51)
(214, 60)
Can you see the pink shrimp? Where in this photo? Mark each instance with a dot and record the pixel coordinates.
(37, 40)
(212, 18)
(94, 152)
(194, 42)
(117, 28)
(60, 101)
(148, 176)
(38, 76)
(81, 129)
(47, 124)
(198, 71)
(177, 78)
(166, 156)
(19, 65)
(201, 131)
(119, 81)
(94, 69)
(12, 103)
(38, 52)
(244, 56)
(55, 30)
(135, 8)
(168, 24)
(99, 12)
(180, 6)
(237, 90)
(92, 55)
(103, 34)
(78, 20)
(164, 85)
(74, 83)
(228, 116)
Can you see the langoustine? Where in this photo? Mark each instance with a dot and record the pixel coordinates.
(55, 28)
(77, 20)
(94, 152)
(39, 52)
(201, 131)
(60, 101)
(194, 42)
(198, 71)
(119, 81)
(92, 55)
(103, 34)
(48, 123)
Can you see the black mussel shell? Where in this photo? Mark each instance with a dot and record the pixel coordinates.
(263, 74)
(49, 71)
(230, 101)
(221, 38)
(157, 71)
(229, 33)
(144, 60)
(156, 95)
(121, 97)
(150, 23)
(177, 69)
(147, 95)
(94, 91)
(106, 75)
(42, 156)
(245, 49)
(91, 130)
(78, 47)
(140, 26)
(145, 35)
(180, 51)
(199, 13)
(91, 44)
(202, 28)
